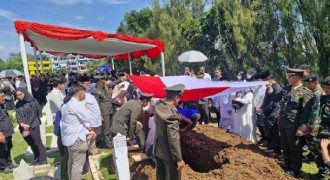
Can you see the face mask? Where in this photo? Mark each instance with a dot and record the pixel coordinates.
(249, 76)
(239, 77)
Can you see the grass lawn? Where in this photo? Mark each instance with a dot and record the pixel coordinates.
(49, 129)
(107, 167)
(48, 142)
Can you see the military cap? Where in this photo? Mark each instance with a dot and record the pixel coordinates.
(99, 77)
(84, 79)
(312, 78)
(147, 95)
(265, 75)
(178, 88)
(303, 66)
(294, 72)
(326, 81)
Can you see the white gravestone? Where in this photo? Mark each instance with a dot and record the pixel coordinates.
(43, 130)
(24, 171)
(49, 115)
(120, 155)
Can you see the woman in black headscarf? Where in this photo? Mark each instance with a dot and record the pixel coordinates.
(28, 116)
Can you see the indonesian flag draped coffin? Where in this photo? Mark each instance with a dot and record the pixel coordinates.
(194, 88)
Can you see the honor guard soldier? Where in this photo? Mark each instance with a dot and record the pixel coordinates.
(167, 148)
(104, 99)
(296, 104)
(125, 121)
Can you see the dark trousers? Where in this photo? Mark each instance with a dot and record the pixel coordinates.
(204, 112)
(5, 158)
(292, 148)
(167, 170)
(60, 146)
(261, 127)
(273, 138)
(106, 133)
(38, 149)
(139, 133)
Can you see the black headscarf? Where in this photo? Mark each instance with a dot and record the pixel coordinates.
(28, 98)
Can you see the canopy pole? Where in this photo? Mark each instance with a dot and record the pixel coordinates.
(113, 64)
(36, 61)
(42, 64)
(25, 64)
(130, 64)
(163, 63)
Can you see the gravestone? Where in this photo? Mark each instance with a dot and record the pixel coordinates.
(24, 171)
(49, 115)
(43, 130)
(120, 155)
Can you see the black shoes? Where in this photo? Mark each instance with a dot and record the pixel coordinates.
(292, 173)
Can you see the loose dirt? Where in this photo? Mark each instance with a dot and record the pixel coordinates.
(212, 153)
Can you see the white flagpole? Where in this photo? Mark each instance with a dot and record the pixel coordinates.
(25, 64)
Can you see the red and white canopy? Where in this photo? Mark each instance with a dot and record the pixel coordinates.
(50, 38)
(194, 88)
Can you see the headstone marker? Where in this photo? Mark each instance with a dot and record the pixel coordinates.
(120, 155)
(43, 130)
(24, 171)
(49, 115)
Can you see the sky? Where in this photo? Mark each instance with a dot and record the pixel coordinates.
(103, 15)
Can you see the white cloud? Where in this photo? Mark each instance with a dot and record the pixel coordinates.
(79, 17)
(7, 14)
(2, 47)
(114, 1)
(68, 2)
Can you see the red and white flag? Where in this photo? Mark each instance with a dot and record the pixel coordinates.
(194, 88)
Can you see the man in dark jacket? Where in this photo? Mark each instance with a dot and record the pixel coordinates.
(125, 121)
(296, 106)
(6, 132)
(271, 110)
(167, 148)
(104, 99)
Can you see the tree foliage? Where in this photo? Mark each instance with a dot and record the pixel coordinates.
(237, 34)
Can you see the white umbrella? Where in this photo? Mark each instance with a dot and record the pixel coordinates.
(192, 56)
(10, 73)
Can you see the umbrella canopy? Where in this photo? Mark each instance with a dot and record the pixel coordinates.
(10, 73)
(104, 68)
(192, 56)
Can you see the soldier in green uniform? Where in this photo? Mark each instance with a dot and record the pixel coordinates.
(167, 147)
(312, 83)
(324, 127)
(296, 104)
(125, 121)
(104, 99)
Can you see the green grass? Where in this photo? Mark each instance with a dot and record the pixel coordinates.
(50, 129)
(48, 142)
(107, 167)
(17, 152)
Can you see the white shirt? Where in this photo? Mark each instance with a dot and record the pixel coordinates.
(94, 109)
(258, 96)
(75, 119)
(207, 76)
(55, 98)
(225, 103)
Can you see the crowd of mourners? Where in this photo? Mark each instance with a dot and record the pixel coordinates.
(89, 110)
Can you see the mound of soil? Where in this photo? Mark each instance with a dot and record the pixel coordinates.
(212, 153)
